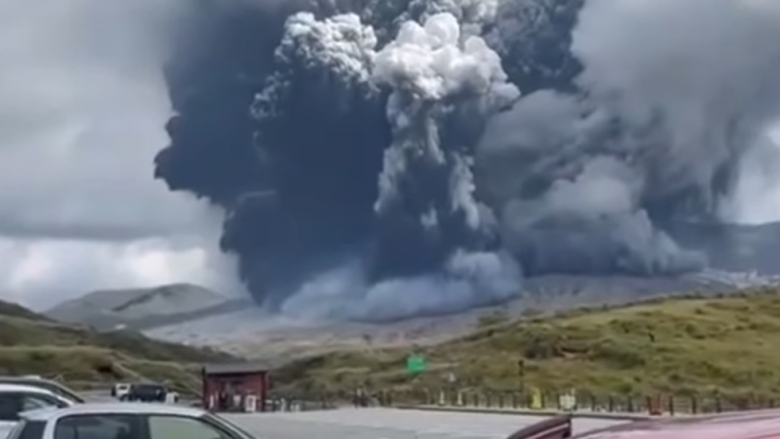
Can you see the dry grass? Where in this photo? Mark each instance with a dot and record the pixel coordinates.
(31, 344)
(684, 346)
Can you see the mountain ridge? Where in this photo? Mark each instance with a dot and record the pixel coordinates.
(137, 308)
(31, 343)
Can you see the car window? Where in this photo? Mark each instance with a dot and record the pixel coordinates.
(32, 402)
(177, 427)
(9, 407)
(94, 426)
(27, 430)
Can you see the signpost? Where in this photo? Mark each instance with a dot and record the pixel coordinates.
(415, 364)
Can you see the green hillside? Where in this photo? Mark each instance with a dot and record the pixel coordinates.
(684, 346)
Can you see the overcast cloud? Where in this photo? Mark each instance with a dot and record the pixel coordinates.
(82, 111)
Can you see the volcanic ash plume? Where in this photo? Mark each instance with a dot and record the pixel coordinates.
(376, 160)
(426, 205)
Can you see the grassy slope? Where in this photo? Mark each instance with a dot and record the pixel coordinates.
(33, 344)
(676, 346)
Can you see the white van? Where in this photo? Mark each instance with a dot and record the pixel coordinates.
(120, 389)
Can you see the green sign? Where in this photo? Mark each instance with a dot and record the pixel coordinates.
(415, 364)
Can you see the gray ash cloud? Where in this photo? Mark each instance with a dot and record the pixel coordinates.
(383, 159)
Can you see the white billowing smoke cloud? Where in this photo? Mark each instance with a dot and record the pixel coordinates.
(346, 45)
(424, 65)
(345, 48)
(429, 61)
(706, 69)
(431, 69)
(82, 113)
(756, 197)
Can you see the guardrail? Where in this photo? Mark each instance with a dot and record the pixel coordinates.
(657, 404)
(550, 402)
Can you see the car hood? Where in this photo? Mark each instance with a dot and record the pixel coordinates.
(749, 425)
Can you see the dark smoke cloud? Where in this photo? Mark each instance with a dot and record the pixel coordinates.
(376, 158)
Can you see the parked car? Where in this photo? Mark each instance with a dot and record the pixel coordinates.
(52, 386)
(15, 399)
(763, 424)
(145, 392)
(125, 420)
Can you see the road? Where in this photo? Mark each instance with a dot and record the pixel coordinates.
(383, 423)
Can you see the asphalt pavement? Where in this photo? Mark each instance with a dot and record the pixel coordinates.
(385, 423)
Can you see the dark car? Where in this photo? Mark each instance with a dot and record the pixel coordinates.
(146, 392)
(764, 424)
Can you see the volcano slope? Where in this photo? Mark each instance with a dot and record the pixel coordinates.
(691, 345)
(253, 332)
(34, 344)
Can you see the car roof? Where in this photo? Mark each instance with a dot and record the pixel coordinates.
(7, 388)
(23, 378)
(47, 414)
(32, 381)
(759, 424)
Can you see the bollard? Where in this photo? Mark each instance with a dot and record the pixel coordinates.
(694, 406)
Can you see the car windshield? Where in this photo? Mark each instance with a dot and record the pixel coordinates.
(64, 392)
(228, 424)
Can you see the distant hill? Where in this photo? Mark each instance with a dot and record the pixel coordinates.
(141, 308)
(253, 332)
(8, 309)
(33, 344)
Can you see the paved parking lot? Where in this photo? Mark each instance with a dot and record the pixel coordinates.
(380, 423)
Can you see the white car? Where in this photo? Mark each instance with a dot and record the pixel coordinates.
(16, 398)
(53, 386)
(125, 421)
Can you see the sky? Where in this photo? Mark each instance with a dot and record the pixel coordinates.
(82, 114)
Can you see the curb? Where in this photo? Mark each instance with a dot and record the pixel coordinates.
(528, 412)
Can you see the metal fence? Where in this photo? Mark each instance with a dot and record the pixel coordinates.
(657, 404)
